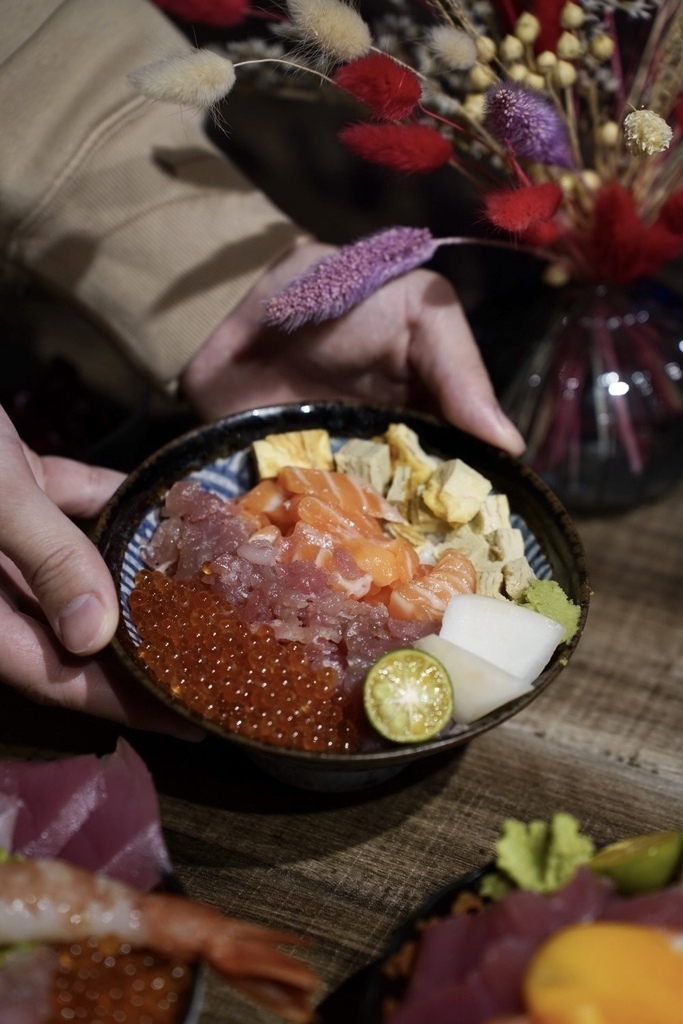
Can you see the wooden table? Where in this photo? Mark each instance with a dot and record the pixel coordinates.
(604, 742)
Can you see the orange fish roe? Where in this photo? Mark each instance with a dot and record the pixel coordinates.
(198, 647)
(106, 982)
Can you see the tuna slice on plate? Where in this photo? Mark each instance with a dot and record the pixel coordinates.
(99, 813)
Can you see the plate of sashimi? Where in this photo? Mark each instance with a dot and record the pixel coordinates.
(93, 923)
(266, 562)
(552, 931)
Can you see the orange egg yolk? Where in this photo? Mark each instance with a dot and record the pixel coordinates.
(607, 973)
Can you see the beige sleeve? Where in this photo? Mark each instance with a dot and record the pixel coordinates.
(121, 205)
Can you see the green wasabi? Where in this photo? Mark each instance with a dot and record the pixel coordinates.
(538, 856)
(548, 598)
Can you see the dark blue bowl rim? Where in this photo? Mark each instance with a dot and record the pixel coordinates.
(543, 512)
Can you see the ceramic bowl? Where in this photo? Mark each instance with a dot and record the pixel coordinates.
(219, 455)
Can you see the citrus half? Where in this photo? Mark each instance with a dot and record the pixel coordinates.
(408, 696)
(641, 864)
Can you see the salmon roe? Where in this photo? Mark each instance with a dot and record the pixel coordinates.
(101, 981)
(199, 648)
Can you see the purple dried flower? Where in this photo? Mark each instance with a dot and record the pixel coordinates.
(337, 283)
(528, 123)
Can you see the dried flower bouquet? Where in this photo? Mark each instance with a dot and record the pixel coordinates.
(567, 117)
(573, 140)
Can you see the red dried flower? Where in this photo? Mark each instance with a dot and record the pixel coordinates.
(616, 236)
(541, 235)
(518, 209)
(671, 213)
(508, 11)
(220, 13)
(389, 89)
(658, 246)
(677, 112)
(548, 14)
(412, 148)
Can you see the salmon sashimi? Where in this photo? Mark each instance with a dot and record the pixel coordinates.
(426, 598)
(388, 560)
(268, 499)
(307, 544)
(332, 520)
(341, 523)
(346, 490)
(383, 560)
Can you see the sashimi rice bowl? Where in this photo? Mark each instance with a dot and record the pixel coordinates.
(351, 585)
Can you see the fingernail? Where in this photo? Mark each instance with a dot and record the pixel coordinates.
(510, 437)
(82, 624)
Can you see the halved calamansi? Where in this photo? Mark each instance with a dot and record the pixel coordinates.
(408, 696)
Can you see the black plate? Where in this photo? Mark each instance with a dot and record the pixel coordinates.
(171, 883)
(367, 995)
(387, 982)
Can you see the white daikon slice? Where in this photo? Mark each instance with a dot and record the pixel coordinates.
(478, 686)
(516, 639)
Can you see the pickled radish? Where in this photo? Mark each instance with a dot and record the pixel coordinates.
(479, 687)
(515, 639)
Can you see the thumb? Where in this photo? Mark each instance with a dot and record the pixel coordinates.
(449, 361)
(63, 569)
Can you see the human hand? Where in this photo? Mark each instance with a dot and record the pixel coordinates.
(58, 605)
(408, 345)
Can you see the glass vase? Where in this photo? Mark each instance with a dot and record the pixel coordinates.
(599, 397)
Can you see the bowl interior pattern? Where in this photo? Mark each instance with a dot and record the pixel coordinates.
(219, 457)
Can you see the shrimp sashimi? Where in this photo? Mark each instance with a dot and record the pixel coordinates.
(426, 598)
(346, 490)
(54, 901)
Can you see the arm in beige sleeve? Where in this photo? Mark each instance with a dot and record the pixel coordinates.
(121, 205)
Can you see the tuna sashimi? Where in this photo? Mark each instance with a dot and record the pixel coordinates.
(649, 908)
(80, 944)
(122, 837)
(56, 798)
(196, 527)
(101, 814)
(451, 949)
(491, 987)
